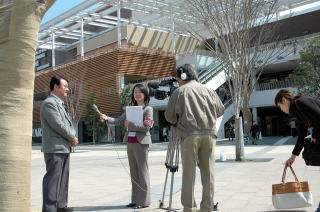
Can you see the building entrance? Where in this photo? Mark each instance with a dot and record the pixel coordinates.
(273, 122)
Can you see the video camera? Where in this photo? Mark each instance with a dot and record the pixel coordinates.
(161, 94)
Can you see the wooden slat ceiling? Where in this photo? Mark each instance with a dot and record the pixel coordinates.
(100, 75)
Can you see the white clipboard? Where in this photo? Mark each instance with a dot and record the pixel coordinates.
(134, 114)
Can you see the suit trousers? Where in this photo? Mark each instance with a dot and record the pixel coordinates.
(139, 171)
(198, 149)
(55, 182)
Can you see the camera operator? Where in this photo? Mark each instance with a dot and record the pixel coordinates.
(193, 109)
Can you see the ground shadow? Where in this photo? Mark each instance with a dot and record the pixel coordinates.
(255, 160)
(285, 211)
(100, 208)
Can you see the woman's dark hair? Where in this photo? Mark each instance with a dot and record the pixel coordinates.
(55, 80)
(189, 70)
(283, 93)
(144, 90)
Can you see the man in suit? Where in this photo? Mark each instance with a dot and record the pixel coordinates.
(194, 109)
(58, 136)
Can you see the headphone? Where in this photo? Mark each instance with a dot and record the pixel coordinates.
(183, 75)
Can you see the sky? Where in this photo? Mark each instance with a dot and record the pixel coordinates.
(59, 7)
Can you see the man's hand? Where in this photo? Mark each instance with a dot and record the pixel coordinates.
(103, 117)
(313, 140)
(74, 142)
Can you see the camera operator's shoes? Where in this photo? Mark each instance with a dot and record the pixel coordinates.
(131, 205)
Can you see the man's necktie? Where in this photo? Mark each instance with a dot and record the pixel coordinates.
(65, 108)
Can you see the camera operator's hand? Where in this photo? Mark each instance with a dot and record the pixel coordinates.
(103, 117)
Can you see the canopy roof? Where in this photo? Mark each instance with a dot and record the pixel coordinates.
(100, 16)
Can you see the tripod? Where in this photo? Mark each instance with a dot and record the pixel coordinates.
(172, 164)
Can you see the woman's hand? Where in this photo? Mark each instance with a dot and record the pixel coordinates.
(103, 117)
(126, 123)
(290, 161)
(313, 140)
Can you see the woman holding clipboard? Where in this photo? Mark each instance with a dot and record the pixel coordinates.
(138, 139)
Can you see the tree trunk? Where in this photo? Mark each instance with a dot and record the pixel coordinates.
(239, 139)
(247, 116)
(94, 137)
(19, 26)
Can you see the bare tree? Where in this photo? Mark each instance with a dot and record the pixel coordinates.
(243, 36)
(19, 26)
(76, 95)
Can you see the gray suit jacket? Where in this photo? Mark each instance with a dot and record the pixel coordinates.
(57, 129)
(142, 132)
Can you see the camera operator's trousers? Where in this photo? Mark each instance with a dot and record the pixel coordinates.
(198, 149)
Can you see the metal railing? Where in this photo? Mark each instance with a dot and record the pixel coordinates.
(111, 47)
(275, 85)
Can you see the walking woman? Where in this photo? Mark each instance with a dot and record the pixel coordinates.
(307, 112)
(138, 139)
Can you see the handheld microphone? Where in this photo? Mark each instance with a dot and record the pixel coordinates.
(153, 84)
(95, 108)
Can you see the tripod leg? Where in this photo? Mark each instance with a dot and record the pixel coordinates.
(172, 163)
(171, 191)
(168, 164)
(164, 190)
(174, 168)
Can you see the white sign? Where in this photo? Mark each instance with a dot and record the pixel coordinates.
(37, 132)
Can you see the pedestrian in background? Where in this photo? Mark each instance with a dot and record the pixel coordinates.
(254, 132)
(231, 130)
(165, 134)
(293, 127)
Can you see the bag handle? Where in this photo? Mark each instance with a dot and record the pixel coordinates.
(284, 174)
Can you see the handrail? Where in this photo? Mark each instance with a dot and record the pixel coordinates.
(204, 70)
(227, 103)
(275, 85)
(210, 73)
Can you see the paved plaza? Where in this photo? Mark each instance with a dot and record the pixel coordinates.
(100, 182)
